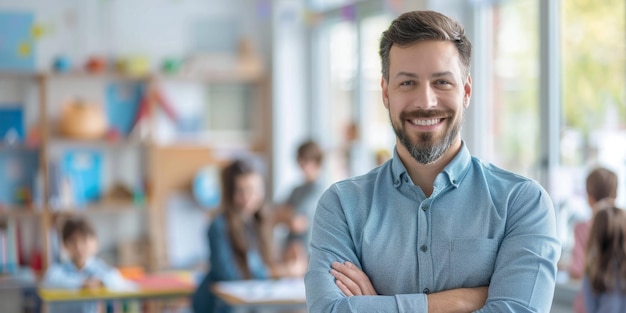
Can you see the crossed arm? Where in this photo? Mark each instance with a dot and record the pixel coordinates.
(521, 280)
(352, 281)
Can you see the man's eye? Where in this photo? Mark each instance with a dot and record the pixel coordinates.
(407, 83)
(442, 82)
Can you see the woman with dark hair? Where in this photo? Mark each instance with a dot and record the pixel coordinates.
(239, 236)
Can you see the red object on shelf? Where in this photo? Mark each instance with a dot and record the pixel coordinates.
(113, 135)
(36, 260)
(96, 64)
(153, 96)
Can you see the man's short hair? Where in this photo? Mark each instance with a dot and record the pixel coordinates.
(415, 26)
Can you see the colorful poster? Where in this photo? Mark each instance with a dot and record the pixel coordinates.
(84, 170)
(17, 43)
(11, 124)
(122, 104)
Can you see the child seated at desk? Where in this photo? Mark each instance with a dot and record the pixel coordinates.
(82, 270)
(239, 236)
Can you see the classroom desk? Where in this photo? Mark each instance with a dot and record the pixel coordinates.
(266, 295)
(160, 286)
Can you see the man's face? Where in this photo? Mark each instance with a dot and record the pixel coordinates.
(426, 96)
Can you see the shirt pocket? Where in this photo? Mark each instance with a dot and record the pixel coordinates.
(472, 261)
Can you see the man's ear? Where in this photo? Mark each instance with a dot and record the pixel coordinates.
(385, 89)
(467, 88)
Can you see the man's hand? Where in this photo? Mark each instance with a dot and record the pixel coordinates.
(352, 280)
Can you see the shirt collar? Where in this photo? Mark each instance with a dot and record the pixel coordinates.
(452, 173)
(458, 167)
(88, 264)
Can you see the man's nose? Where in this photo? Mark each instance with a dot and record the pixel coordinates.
(425, 97)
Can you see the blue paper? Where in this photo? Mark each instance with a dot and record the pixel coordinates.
(11, 124)
(84, 169)
(17, 45)
(123, 101)
(18, 169)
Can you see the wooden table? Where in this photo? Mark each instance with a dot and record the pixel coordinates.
(159, 286)
(266, 295)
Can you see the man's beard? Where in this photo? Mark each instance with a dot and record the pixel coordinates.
(425, 150)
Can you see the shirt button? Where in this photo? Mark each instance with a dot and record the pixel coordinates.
(406, 179)
(424, 248)
(425, 207)
(426, 291)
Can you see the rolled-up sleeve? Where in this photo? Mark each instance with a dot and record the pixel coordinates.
(332, 241)
(525, 270)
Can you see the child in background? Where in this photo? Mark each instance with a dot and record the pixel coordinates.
(601, 187)
(82, 270)
(239, 236)
(299, 208)
(604, 286)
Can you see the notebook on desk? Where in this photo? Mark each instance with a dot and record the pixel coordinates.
(287, 290)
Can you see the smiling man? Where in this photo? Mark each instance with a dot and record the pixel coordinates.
(433, 229)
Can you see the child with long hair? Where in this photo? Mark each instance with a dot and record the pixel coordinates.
(601, 188)
(239, 236)
(604, 285)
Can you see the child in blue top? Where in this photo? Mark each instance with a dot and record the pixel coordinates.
(82, 270)
(604, 284)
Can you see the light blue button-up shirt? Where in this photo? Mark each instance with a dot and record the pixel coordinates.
(481, 226)
(65, 275)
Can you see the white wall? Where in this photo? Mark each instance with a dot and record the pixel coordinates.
(154, 28)
(290, 82)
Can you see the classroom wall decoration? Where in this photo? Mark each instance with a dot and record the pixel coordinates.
(17, 46)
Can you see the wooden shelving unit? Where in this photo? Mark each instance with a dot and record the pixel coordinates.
(167, 167)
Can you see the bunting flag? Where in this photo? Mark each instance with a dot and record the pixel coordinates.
(395, 6)
(37, 31)
(349, 12)
(264, 10)
(313, 18)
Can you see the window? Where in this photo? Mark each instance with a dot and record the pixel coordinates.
(347, 90)
(514, 93)
(593, 106)
(340, 49)
(377, 133)
(592, 109)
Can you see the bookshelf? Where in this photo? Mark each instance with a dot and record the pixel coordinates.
(147, 182)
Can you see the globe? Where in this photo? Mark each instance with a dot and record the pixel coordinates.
(206, 187)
